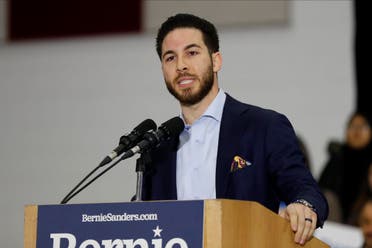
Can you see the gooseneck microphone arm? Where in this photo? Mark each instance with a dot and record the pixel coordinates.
(69, 197)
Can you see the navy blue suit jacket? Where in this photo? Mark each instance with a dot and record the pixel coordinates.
(262, 137)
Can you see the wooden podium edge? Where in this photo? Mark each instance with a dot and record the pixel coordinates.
(212, 237)
(30, 226)
(224, 226)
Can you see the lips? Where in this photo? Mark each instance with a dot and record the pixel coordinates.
(185, 81)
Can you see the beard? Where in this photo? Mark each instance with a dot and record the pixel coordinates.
(187, 97)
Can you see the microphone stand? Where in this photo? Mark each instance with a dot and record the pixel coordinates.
(141, 164)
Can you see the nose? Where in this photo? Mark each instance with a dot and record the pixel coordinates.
(181, 65)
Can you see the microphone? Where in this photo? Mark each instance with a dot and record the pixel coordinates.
(167, 130)
(128, 141)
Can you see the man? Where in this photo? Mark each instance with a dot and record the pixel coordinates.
(228, 149)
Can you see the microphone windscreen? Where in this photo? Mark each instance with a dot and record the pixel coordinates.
(145, 126)
(173, 127)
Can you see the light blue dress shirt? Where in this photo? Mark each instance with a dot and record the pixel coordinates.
(197, 154)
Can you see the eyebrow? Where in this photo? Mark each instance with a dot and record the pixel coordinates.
(187, 47)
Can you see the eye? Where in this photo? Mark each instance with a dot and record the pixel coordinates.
(193, 53)
(169, 58)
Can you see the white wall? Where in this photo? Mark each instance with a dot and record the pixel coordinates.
(64, 104)
(338, 235)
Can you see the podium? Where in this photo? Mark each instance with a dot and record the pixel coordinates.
(159, 224)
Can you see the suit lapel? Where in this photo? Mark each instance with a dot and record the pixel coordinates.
(230, 131)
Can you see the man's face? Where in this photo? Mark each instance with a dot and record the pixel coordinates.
(188, 67)
(366, 223)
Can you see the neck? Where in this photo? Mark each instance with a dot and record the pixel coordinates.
(193, 112)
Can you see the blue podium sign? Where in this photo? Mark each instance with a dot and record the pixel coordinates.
(173, 224)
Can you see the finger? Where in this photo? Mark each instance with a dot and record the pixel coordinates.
(306, 231)
(293, 217)
(283, 214)
(300, 210)
(300, 227)
(313, 227)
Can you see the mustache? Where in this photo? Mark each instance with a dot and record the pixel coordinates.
(185, 74)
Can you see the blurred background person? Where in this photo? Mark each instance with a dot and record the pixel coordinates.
(364, 195)
(343, 174)
(365, 223)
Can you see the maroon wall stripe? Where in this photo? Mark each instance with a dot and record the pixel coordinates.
(52, 19)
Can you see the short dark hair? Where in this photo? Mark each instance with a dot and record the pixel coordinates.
(209, 31)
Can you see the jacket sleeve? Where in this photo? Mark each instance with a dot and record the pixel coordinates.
(292, 179)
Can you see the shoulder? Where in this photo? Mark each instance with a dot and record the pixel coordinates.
(251, 113)
(335, 147)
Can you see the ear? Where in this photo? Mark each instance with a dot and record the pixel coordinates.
(217, 61)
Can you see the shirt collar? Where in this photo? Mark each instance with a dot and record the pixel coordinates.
(214, 110)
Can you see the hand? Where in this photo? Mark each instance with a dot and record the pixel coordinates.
(302, 219)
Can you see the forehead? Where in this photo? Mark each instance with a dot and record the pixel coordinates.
(182, 37)
(358, 119)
